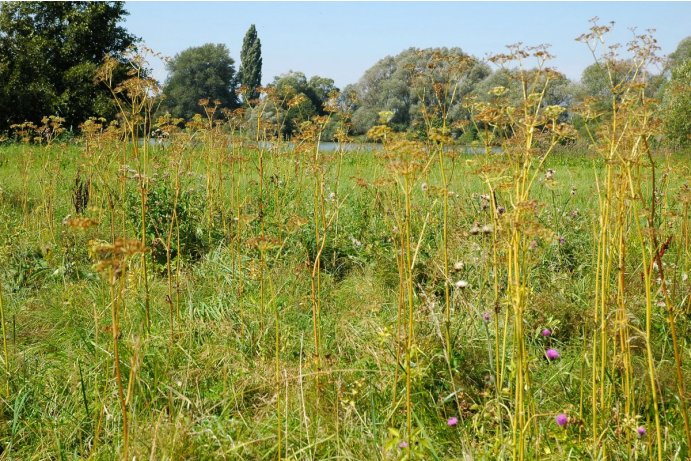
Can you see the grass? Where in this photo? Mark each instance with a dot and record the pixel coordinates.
(211, 389)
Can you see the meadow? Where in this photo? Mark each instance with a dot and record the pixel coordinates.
(218, 296)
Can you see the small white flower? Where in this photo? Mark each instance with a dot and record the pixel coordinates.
(458, 265)
(461, 284)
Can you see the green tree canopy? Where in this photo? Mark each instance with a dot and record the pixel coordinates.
(394, 84)
(676, 105)
(250, 74)
(196, 73)
(49, 54)
(681, 54)
(297, 99)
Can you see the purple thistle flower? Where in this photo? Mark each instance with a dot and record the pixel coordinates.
(403, 445)
(552, 354)
(546, 332)
(561, 419)
(641, 431)
(452, 421)
(485, 316)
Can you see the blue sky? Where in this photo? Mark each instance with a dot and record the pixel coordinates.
(341, 40)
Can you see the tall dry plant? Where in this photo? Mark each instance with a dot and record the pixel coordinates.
(628, 215)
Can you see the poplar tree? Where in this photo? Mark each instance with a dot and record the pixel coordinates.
(251, 63)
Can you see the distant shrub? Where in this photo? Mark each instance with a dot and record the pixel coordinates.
(195, 239)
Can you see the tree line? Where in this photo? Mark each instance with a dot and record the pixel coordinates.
(50, 53)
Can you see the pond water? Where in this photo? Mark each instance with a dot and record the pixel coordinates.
(356, 147)
(366, 146)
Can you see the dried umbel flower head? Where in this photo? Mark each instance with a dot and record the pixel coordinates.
(553, 111)
(79, 222)
(498, 91)
(112, 257)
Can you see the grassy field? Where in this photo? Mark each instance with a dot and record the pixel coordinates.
(337, 306)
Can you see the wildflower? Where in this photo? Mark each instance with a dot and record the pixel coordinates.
(501, 210)
(562, 240)
(561, 419)
(484, 201)
(552, 354)
(485, 316)
(573, 190)
(546, 332)
(461, 284)
(475, 229)
(403, 445)
(452, 421)
(423, 186)
(549, 175)
(641, 431)
(487, 229)
(458, 265)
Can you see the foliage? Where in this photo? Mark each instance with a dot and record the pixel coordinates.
(292, 99)
(681, 54)
(185, 213)
(391, 85)
(250, 73)
(49, 55)
(203, 72)
(676, 105)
